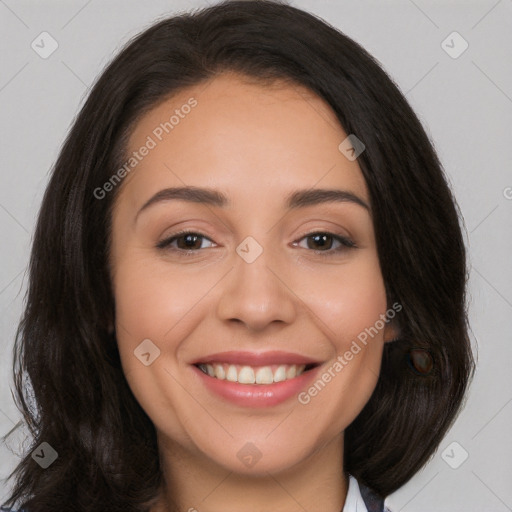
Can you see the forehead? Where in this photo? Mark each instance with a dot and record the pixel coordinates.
(255, 142)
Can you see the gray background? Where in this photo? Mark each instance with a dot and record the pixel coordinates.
(465, 104)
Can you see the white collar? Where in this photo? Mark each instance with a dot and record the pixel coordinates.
(354, 501)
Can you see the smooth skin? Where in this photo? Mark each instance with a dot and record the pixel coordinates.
(256, 145)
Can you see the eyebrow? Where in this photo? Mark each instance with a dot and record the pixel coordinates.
(294, 200)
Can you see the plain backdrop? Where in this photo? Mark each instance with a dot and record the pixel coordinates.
(464, 101)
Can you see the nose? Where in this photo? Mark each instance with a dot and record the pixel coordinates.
(256, 294)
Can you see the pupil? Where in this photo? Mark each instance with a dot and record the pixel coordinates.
(188, 238)
(321, 238)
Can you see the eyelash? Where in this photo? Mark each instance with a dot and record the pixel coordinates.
(346, 243)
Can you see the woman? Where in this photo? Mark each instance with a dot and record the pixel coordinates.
(247, 283)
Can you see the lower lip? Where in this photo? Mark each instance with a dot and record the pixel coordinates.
(257, 395)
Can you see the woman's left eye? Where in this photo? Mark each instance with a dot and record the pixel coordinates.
(191, 242)
(325, 239)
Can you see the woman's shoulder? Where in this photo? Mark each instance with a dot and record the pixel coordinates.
(357, 489)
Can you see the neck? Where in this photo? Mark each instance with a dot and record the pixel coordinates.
(195, 483)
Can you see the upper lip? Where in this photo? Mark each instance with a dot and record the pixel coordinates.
(256, 358)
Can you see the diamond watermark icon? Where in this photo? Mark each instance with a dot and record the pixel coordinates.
(454, 45)
(147, 352)
(44, 455)
(249, 249)
(351, 147)
(454, 455)
(249, 454)
(44, 45)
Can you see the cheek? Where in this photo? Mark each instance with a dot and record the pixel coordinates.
(151, 294)
(153, 303)
(348, 299)
(350, 306)
(142, 300)
(157, 301)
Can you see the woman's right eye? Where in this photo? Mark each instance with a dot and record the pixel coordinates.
(187, 242)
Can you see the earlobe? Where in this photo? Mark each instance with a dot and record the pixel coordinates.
(391, 332)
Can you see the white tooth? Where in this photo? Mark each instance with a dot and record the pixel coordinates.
(280, 374)
(231, 375)
(264, 375)
(300, 369)
(246, 375)
(219, 371)
(292, 372)
(210, 370)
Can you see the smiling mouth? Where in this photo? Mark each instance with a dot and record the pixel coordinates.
(245, 374)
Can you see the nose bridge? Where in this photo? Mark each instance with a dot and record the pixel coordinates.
(256, 293)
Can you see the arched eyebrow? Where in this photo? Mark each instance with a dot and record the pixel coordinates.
(294, 200)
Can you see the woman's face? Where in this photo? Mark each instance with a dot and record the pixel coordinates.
(257, 283)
